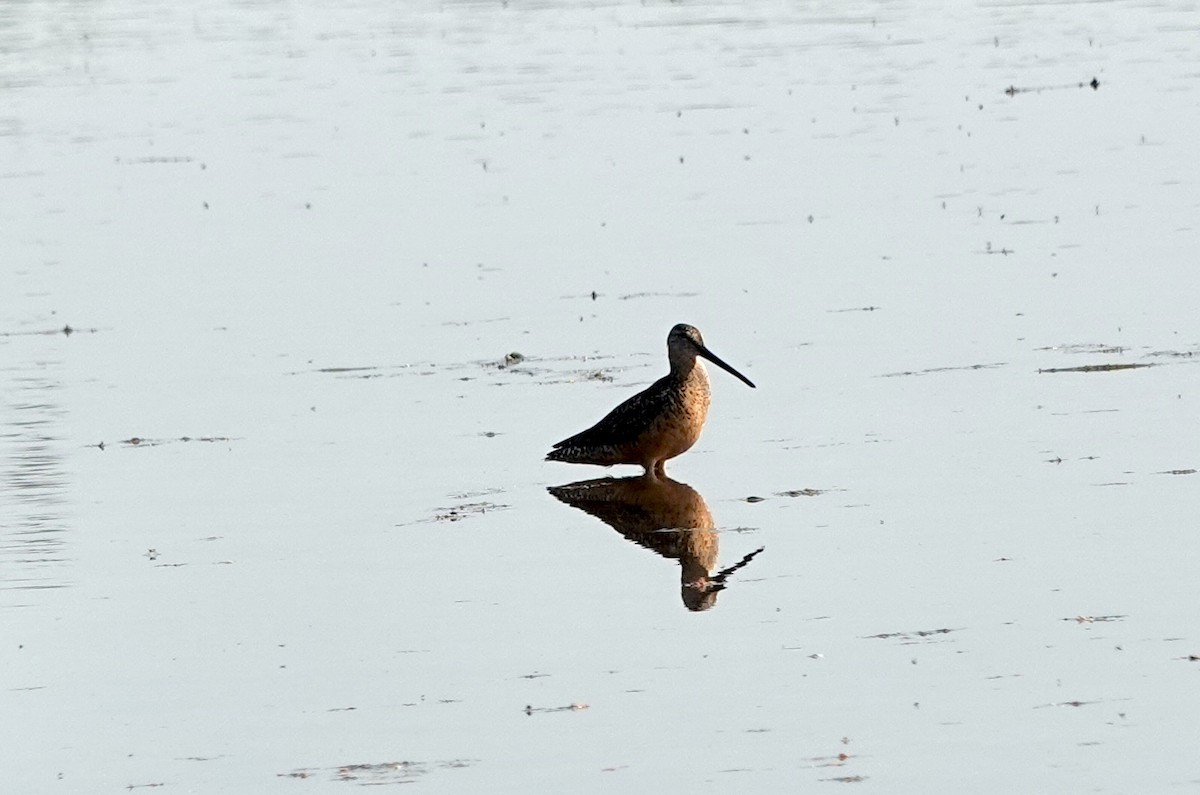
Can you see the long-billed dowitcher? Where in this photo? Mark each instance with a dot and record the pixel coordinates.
(658, 423)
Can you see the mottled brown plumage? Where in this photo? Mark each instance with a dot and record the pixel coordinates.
(658, 423)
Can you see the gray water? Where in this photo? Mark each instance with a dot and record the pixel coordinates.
(274, 515)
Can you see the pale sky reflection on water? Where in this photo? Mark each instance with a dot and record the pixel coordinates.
(299, 246)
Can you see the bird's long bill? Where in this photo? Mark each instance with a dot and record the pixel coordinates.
(712, 357)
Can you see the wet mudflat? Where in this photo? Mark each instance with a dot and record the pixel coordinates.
(297, 300)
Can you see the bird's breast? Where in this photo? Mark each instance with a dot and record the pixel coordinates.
(679, 426)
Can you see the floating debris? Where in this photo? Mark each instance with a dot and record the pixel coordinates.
(1067, 704)
(922, 635)
(529, 710)
(1084, 347)
(513, 364)
(629, 296)
(153, 160)
(1096, 368)
(381, 773)
(141, 441)
(1081, 619)
(1012, 91)
(928, 371)
(836, 761)
(466, 495)
(475, 321)
(801, 493)
(1174, 354)
(66, 331)
(344, 369)
(467, 510)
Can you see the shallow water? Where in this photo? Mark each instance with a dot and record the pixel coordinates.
(274, 513)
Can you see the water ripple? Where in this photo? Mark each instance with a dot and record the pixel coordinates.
(32, 523)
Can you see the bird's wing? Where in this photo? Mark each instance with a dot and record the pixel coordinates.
(625, 423)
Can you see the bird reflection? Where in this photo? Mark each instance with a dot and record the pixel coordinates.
(663, 515)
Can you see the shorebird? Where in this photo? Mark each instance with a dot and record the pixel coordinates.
(658, 423)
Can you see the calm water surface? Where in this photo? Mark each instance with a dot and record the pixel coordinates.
(274, 515)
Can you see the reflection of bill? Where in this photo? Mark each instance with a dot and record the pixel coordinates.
(663, 515)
